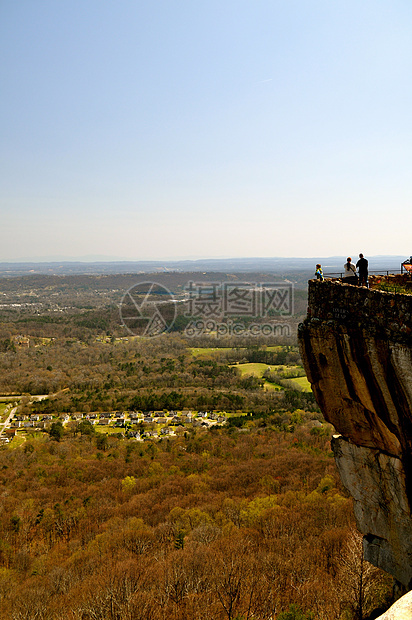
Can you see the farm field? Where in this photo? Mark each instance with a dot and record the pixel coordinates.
(205, 351)
(199, 351)
(257, 369)
(252, 368)
(303, 383)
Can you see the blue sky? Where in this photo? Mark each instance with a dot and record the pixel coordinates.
(161, 129)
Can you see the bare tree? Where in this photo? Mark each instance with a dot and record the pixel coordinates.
(360, 581)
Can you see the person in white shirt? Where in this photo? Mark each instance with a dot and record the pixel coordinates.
(350, 276)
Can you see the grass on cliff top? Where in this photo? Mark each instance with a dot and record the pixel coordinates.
(393, 288)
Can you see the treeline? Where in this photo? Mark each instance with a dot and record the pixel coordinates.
(83, 325)
(259, 402)
(212, 525)
(287, 355)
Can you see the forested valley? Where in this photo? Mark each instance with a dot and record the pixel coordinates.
(226, 523)
(241, 520)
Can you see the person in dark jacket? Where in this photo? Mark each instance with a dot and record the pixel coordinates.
(362, 266)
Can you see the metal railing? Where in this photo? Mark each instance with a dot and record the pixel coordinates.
(380, 272)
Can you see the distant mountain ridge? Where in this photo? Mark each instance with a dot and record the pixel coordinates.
(279, 265)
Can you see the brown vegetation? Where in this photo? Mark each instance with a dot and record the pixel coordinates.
(243, 522)
(217, 524)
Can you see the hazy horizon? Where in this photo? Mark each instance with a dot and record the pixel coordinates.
(109, 259)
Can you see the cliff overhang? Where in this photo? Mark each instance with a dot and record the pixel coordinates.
(356, 346)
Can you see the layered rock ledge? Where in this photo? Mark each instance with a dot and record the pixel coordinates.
(356, 346)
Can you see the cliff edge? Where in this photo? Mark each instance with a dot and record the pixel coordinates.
(356, 346)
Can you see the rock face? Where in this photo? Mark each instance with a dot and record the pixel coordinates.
(356, 345)
(401, 610)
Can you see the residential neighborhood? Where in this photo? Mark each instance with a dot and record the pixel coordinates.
(139, 425)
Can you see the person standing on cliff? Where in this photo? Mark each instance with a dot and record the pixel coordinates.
(319, 273)
(350, 276)
(362, 266)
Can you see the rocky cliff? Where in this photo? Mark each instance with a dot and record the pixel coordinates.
(357, 350)
(401, 610)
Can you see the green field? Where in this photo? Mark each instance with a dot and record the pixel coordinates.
(212, 350)
(303, 383)
(28, 435)
(257, 369)
(106, 429)
(251, 368)
(3, 416)
(276, 349)
(205, 351)
(16, 442)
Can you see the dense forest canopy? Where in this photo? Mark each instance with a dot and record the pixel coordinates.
(213, 524)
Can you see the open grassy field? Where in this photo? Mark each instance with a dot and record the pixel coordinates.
(18, 440)
(3, 416)
(257, 369)
(303, 383)
(22, 436)
(106, 429)
(207, 351)
(251, 368)
(200, 351)
(275, 348)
